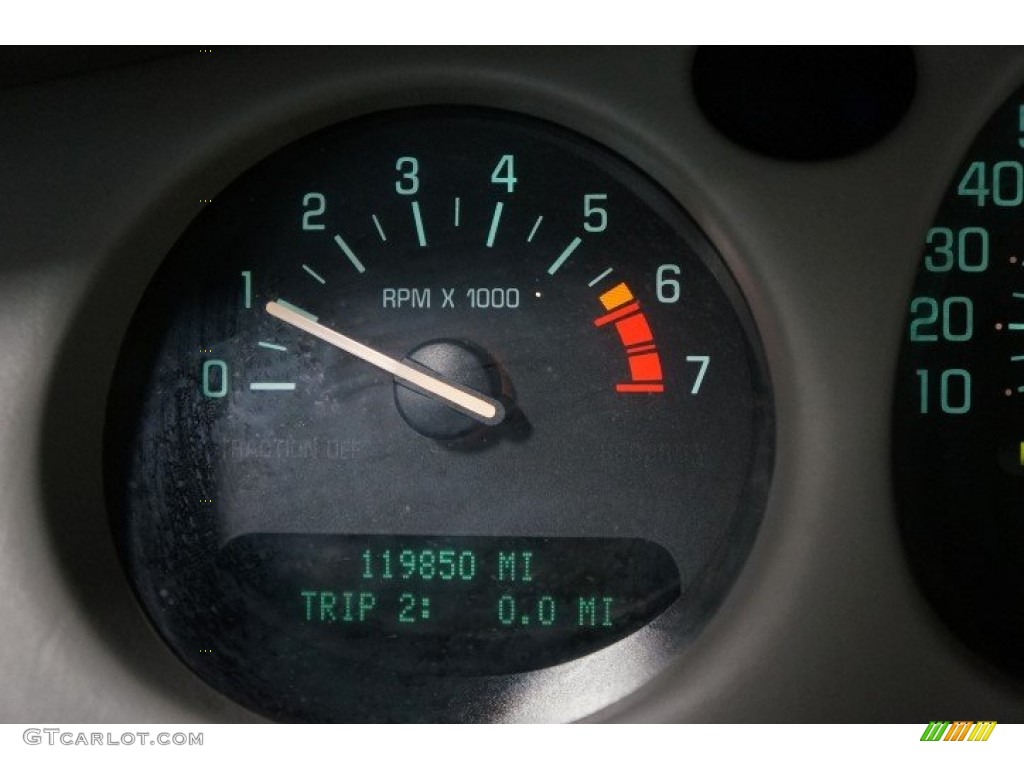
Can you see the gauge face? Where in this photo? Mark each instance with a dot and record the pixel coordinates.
(959, 417)
(439, 414)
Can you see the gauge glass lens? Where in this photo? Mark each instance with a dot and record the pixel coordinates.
(958, 460)
(433, 415)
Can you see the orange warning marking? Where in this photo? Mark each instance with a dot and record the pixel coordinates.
(616, 297)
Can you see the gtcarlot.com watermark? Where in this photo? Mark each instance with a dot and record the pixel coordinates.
(58, 737)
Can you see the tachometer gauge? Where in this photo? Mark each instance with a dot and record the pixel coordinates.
(438, 414)
(959, 419)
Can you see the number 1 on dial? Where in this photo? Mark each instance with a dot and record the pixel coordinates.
(247, 289)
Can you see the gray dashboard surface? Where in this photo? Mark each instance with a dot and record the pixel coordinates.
(101, 171)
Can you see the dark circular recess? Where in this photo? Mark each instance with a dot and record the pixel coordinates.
(459, 361)
(804, 102)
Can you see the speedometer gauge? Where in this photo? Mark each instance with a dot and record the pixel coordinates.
(959, 418)
(438, 414)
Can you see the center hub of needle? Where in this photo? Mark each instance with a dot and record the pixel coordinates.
(459, 362)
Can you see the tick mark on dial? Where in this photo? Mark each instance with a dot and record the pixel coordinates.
(350, 254)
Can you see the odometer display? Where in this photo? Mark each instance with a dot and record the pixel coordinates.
(432, 415)
(429, 604)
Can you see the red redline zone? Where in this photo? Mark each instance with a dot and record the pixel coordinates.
(622, 309)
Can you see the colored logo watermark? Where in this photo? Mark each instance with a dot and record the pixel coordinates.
(960, 730)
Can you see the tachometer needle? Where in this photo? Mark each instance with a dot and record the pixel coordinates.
(484, 409)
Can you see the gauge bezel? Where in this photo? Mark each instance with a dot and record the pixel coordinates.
(580, 687)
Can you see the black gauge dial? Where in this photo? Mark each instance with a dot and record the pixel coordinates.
(435, 415)
(959, 418)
